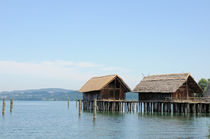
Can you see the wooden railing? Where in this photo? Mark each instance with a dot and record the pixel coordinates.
(189, 99)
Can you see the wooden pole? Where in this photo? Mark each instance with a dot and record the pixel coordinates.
(3, 107)
(165, 107)
(194, 108)
(137, 107)
(94, 109)
(158, 107)
(121, 106)
(68, 102)
(199, 108)
(172, 108)
(133, 106)
(11, 104)
(209, 108)
(80, 107)
(188, 108)
(182, 107)
(162, 107)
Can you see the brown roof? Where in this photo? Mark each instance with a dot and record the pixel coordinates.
(165, 83)
(98, 83)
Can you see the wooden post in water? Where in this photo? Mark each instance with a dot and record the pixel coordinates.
(154, 107)
(172, 108)
(162, 107)
(158, 107)
(68, 103)
(209, 108)
(144, 107)
(137, 107)
(181, 108)
(194, 108)
(133, 106)
(169, 107)
(125, 107)
(204, 108)
(200, 108)
(80, 107)
(103, 106)
(188, 108)
(121, 107)
(140, 107)
(11, 104)
(94, 110)
(165, 108)
(148, 107)
(175, 107)
(3, 107)
(128, 106)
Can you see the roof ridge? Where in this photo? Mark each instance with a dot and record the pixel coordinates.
(105, 76)
(167, 74)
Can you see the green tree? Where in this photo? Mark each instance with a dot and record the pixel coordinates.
(208, 84)
(203, 83)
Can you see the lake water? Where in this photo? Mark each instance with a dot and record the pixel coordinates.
(53, 119)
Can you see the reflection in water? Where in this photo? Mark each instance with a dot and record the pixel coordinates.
(43, 119)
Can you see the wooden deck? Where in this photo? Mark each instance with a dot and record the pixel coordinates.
(169, 106)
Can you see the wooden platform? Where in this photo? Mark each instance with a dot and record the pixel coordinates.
(179, 106)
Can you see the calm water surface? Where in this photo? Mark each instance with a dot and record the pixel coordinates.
(53, 119)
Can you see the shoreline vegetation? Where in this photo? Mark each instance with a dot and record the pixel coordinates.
(49, 94)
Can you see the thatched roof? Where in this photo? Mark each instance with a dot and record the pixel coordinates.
(98, 83)
(165, 83)
(207, 94)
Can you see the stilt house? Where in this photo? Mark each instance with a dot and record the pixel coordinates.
(168, 86)
(110, 87)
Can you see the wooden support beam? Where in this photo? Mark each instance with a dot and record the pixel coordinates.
(94, 109)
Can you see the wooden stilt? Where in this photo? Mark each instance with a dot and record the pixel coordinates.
(209, 108)
(133, 107)
(165, 107)
(172, 109)
(140, 107)
(137, 108)
(188, 108)
(194, 108)
(94, 109)
(68, 102)
(3, 107)
(11, 104)
(80, 107)
(204, 108)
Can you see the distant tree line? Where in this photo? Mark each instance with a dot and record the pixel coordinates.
(203, 83)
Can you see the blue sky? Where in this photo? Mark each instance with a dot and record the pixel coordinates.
(62, 43)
